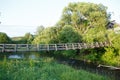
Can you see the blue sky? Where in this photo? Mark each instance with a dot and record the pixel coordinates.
(20, 16)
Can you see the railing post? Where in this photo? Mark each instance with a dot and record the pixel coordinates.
(85, 45)
(101, 44)
(15, 48)
(38, 47)
(56, 47)
(66, 46)
(92, 45)
(73, 46)
(27, 47)
(48, 47)
(96, 44)
(79, 46)
(3, 49)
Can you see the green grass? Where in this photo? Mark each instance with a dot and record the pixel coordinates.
(42, 69)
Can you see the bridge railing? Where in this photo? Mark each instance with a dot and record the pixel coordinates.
(49, 47)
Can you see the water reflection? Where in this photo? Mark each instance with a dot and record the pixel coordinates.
(20, 55)
(15, 57)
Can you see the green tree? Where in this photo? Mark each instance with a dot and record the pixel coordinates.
(4, 38)
(28, 38)
(48, 35)
(83, 16)
(69, 35)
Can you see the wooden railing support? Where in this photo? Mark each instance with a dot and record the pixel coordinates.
(48, 47)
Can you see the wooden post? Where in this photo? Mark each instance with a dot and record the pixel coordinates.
(66, 46)
(27, 45)
(97, 44)
(56, 47)
(73, 47)
(92, 45)
(15, 48)
(48, 47)
(79, 46)
(101, 44)
(105, 44)
(85, 46)
(38, 47)
(3, 49)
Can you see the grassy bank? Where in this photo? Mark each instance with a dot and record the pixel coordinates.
(43, 69)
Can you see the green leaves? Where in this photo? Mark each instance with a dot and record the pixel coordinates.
(69, 35)
(82, 15)
(4, 38)
(48, 35)
(28, 38)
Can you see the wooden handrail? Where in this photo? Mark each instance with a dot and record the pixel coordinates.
(48, 47)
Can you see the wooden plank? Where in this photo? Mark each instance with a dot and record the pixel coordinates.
(109, 67)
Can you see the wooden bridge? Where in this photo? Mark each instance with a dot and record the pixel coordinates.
(49, 47)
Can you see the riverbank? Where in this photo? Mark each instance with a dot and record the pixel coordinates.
(43, 69)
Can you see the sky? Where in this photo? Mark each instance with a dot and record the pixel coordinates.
(18, 17)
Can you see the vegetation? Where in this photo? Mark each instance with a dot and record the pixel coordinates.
(4, 38)
(80, 22)
(26, 39)
(43, 69)
(83, 22)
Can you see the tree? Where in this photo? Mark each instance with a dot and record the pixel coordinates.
(28, 38)
(83, 16)
(69, 35)
(39, 29)
(48, 35)
(4, 38)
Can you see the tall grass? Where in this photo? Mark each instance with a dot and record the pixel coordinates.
(42, 69)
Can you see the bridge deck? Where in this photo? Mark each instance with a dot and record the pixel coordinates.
(49, 47)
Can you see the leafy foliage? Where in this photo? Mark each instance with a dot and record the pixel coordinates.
(95, 35)
(69, 35)
(4, 38)
(83, 16)
(48, 35)
(80, 22)
(28, 38)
